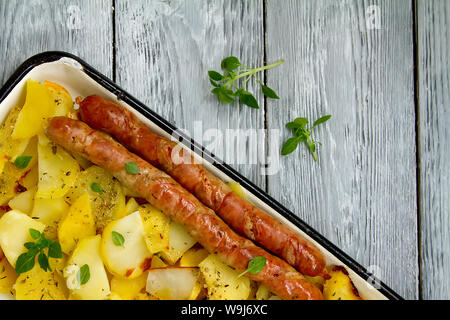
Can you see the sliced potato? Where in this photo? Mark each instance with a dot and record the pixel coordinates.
(12, 148)
(77, 224)
(58, 171)
(49, 212)
(262, 293)
(23, 201)
(157, 227)
(61, 97)
(128, 289)
(173, 283)
(193, 257)
(180, 241)
(107, 205)
(157, 262)
(138, 258)
(37, 108)
(30, 178)
(131, 206)
(38, 284)
(237, 188)
(9, 182)
(340, 286)
(31, 150)
(222, 281)
(14, 232)
(97, 287)
(7, 275)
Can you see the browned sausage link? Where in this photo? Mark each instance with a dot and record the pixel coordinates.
(240, 214)
(163, 192)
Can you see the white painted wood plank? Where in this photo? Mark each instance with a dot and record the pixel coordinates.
(164, 50)
(362, 193)
(434, 146)
(80, 27)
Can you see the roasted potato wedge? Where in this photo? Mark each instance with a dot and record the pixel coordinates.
(173, 283)
(340, 286)
(180, 241)
(157, 228)
(38, 284)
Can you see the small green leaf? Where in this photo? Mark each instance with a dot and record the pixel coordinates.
(25, 262)
(214, 84)
(248, 99)
(225, 97)
(84, 274)
(35, 234)
(54, 250)
(230, 63)
(214, 75)
(43, 262)
(216, 91)
(255, 266)
(292, 125)
(289, 146)
(22, 161)
(96, 187)
(118, 239)
(131, 168)
(29, 245)
(269, 93)
(322, 120)
(302, 122)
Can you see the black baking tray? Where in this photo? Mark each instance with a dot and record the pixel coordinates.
(121, 94)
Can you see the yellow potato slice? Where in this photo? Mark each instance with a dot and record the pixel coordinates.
(12, 148)
(128, 289)
(237, 188)
(193, 257)
(37, 108)
(58, 171)
(222, 281)
(87, 253)
(157, 262)
(49, 212)
(180, 241)
(77, 224)
(107, 205)
(138, 258)
(131, 206)
(23, 201)
(38, 284)
(7, 275)
(14, 232)
(173, 283)
(61, 97)
(157, 228)
(340, 286)
(9, 182)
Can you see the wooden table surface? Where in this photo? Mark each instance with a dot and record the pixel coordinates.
(380, 190)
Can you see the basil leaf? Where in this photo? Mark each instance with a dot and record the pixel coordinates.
(249, 100)
(84, 274)
(54, 250)
(118, 239)
(214, 75)
(30, 245)
(43, 262)
(131, 168)
(289, 146)
(25, 262)
(321, 120)
(22, 161)
(269, 93)
(225, 97)
(255, 266)
(96, 187)
(35, 234)
(230, 63)
(215, 84)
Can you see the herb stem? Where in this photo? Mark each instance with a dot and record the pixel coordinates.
(253, 71)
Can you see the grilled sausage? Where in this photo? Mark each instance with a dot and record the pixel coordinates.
(241, 215)
(160, 190)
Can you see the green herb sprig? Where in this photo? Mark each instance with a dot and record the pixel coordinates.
(255, 266)
(301, 134)
(225, 85)
(26, 261)
(84, 274)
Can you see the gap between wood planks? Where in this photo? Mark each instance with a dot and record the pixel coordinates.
(416, 75)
